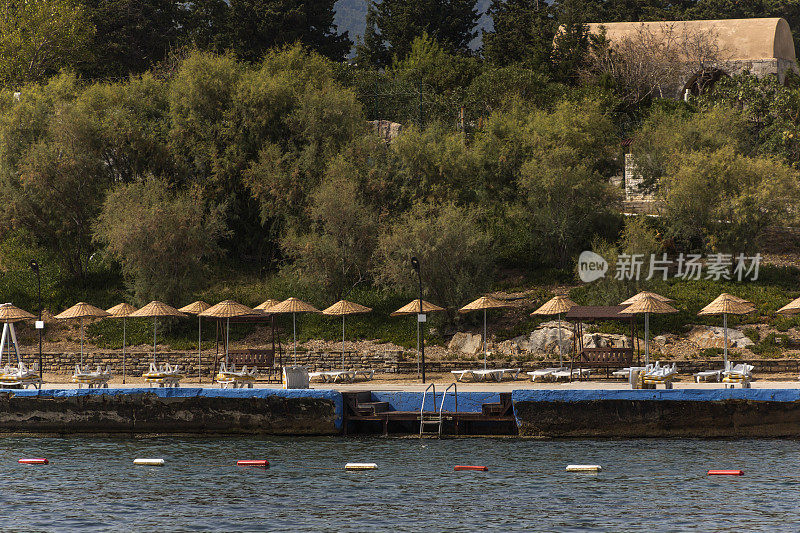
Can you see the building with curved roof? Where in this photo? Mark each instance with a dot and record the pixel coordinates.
(761, 46)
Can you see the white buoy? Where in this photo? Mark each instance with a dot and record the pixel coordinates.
(360, 466)
(149, 462)
(584, 468)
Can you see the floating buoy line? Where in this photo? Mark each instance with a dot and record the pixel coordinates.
(358, 466)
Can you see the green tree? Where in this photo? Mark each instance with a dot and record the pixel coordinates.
(398, 22)
(523, 32)
(337, 247)
(163, 239)
(571, 45)
(40, 37)
(371, 51)
(455, 253)
(251, 27)
(726, 200)
(132, 35)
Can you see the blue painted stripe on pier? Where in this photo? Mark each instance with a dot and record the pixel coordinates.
(692, 395)
(468, 402)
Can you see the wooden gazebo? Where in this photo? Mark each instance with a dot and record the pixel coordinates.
(609, 357)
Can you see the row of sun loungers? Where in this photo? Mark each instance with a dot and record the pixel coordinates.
(342, 376)
(231, 378)
(482, 375)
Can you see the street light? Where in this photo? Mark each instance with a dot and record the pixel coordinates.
(415, 266)
(39, 325)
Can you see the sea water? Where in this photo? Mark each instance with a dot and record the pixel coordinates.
(91, 484)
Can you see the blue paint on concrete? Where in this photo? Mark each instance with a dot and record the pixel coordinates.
(192, 392)
(684, 395)
(468, 402)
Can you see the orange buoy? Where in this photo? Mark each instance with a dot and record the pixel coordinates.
(260, 463)
(34, 461)
(725, 473)
(471, 467)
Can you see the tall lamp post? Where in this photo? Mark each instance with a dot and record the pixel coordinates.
(415, 266)
(35, 267)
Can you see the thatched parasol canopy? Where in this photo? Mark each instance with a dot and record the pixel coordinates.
(555, 306)
(648, 304)
(416, 308)
(122, 310)
(483, 303)
(343, 307)
(293, 305)
(227, 309)
(792, 308)
(82, 310)
(266, 305)
(10, 313)
(195, 308)
(156, 309)
(636, 297)
(727, 304)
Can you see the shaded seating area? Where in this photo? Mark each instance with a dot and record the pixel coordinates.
(608, 358)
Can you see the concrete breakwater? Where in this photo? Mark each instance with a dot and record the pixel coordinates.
(171, 411)
(536, 413)
(660, 413)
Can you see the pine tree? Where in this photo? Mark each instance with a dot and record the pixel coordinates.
(251, 27)
(571, 45)
(372, 50)
(523, 32)
(397, 22)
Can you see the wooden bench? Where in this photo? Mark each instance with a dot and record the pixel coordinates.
(607, 358)
(262, 359)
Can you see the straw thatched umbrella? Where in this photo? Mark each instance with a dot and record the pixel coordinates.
(557, 305)
(293, 306)
(227, 309)
(647, 305)
(636, 297)
(156, 310)
(484, 303)
(792, 308)
(267, 305)
(9, 314)
(122, 311)
(417, 307)
(195, 308)
(727, 304)
(343, 308)
(81, 311)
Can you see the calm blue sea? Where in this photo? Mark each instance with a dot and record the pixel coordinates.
(661, 485)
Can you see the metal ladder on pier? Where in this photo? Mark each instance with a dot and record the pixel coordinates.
(434, 418)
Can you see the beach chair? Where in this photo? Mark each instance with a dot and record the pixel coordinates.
(164, 376)
(366, 375)
(567, 374)
(461, 375)
(237, 380)
(20, 376)
(659, 375)
(741, 374)
(93, 380)
(708, 375)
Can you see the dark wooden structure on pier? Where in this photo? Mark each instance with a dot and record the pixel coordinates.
(601, 357)
(363, 415)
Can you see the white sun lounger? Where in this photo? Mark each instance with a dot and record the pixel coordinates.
(93, 380)
(164, 376)
(544, 373)
(741, 373)
(237, 380)
(662, 375)
(460, 375)
(566, 373)
(20, 376)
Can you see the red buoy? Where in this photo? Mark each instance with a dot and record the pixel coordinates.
(469, 467)
(260, 463)
(34, 461)
(725, 473)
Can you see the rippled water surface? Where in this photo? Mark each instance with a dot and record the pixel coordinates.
(91, 484)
